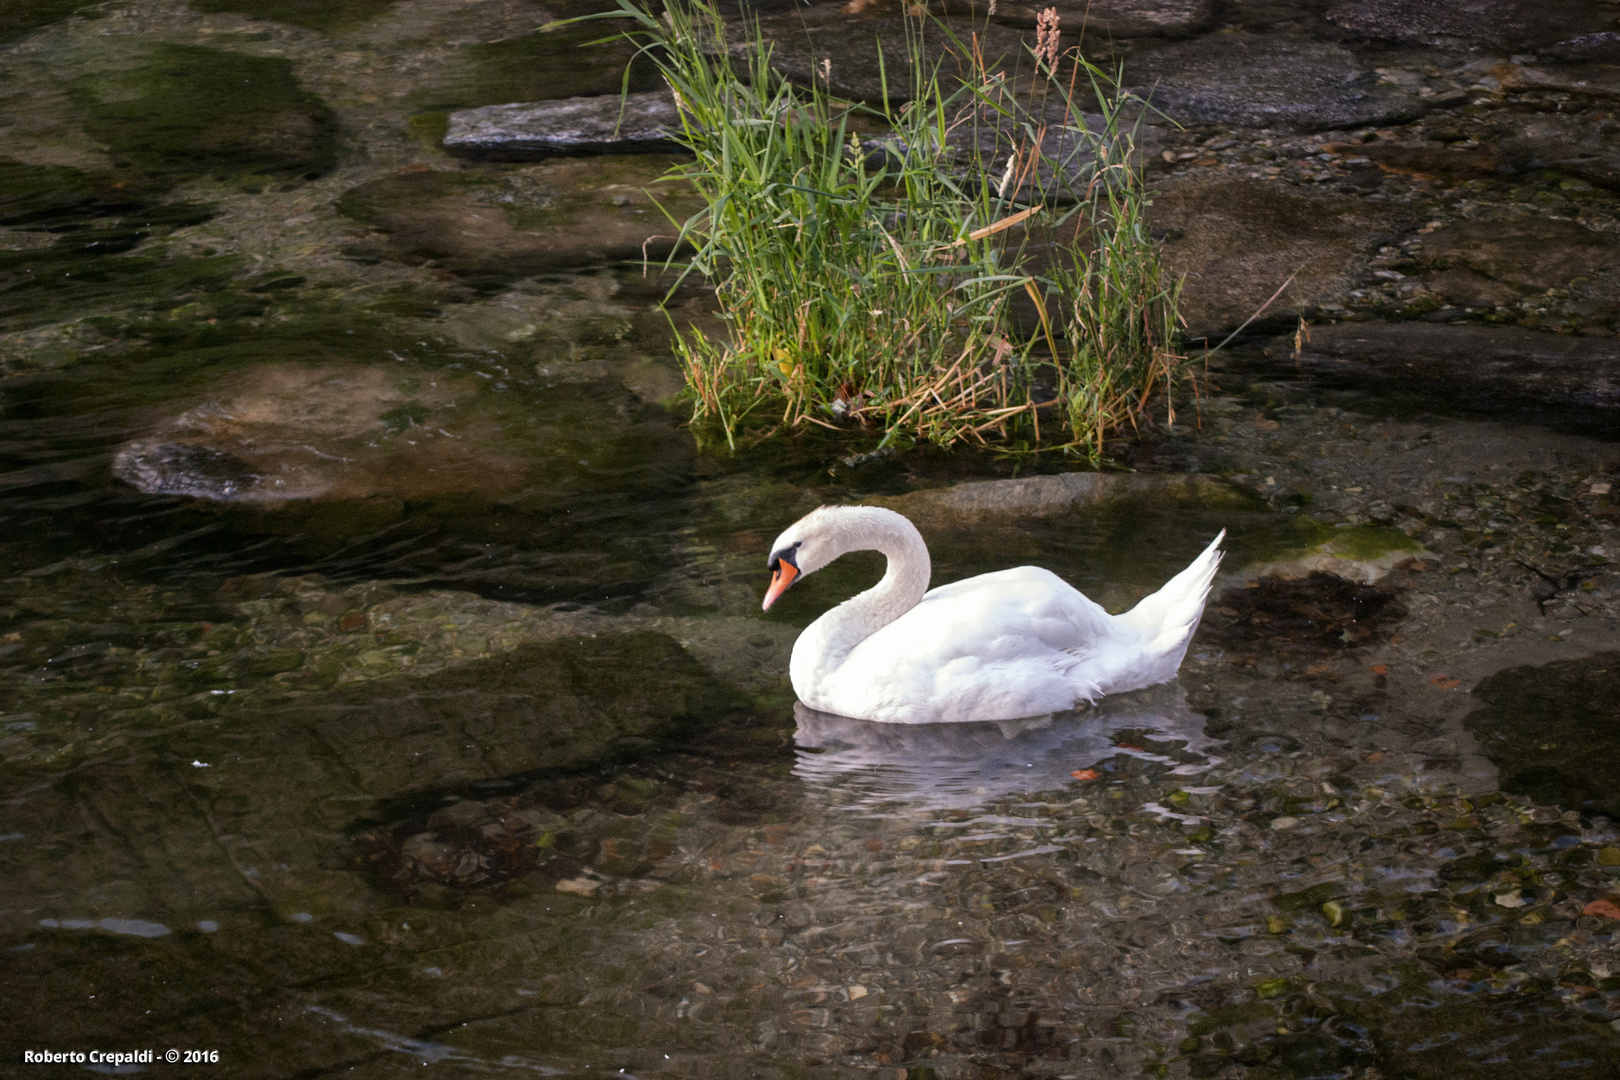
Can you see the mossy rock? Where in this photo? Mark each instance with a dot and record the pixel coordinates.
(557, 705)
(19, 17)
(1360, 553)
(192, 111)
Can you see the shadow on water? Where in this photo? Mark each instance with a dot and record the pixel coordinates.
(1554, 731)
(1400, 391)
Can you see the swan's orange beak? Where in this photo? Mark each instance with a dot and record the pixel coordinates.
(780, 580)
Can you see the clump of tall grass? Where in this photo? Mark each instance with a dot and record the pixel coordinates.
(872, 281)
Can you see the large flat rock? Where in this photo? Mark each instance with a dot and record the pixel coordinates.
(630, 124)
(1585, 145)
(1575, 143)
(1259, 81)
(1505, 24)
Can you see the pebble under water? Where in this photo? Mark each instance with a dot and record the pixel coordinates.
(383, 685)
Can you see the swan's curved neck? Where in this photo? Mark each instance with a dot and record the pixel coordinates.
(830, 638)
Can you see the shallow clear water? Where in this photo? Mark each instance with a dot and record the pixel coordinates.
(504, 777)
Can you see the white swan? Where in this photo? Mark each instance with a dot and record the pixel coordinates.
(1001, 646)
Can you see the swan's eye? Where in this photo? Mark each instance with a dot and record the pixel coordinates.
(798, 543)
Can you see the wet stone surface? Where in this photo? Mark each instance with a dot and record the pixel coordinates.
(479, 752)
(627, 124)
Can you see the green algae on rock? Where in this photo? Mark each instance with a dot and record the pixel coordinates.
(1358, 553)
(193, 111)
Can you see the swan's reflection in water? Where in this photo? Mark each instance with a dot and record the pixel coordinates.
(888, 767)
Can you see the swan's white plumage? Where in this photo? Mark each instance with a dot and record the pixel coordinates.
(1000, 646)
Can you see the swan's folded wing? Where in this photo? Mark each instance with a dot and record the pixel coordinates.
(1011, 614)
(1013, 643)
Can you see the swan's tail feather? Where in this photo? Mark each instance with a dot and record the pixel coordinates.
(1169, 617)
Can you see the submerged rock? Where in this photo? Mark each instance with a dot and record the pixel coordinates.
(1272, 82)
(1310, 615)
(1362, 554)
(330, 18)
(544, 705)
(1506, 370)
(632, 124)
(569, 213)
(1554, 731)
(1237, 241)
(188, 111)
(289, 431)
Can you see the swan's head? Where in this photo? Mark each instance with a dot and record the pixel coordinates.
(822, 535)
